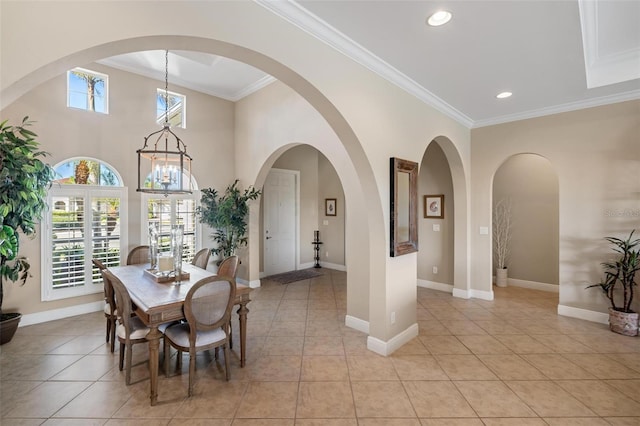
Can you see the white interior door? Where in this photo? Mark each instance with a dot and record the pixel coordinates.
(279, 222)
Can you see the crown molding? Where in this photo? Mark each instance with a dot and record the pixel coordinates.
(311, 24)
(557, 109)
(253, 87)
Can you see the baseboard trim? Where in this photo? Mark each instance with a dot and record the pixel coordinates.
(334, 266)
(306, 265)
(472, 294)
(357, 324)
(584, 314)
(56, 314)
(534, 285)
(254, 283)
(387, 348)
(435, 285)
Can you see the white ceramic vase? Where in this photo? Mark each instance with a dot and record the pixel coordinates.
(501, 277)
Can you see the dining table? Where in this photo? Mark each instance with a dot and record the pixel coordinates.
(159, 300)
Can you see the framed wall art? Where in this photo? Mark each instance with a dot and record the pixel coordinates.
(434, 206)
(330, 206)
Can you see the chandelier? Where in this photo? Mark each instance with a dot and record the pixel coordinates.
(164, 168)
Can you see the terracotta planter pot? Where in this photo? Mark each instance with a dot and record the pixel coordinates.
(501, 277)
(625, 323)
(9, 326)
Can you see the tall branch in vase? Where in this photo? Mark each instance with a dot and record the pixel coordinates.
(502, 228)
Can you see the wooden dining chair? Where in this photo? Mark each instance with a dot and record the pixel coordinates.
(201, 259)
(129, 329)
(229, 268)
(207, 308)
(137, 255)
(110, 311)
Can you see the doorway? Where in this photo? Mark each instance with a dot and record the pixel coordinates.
(280, 235)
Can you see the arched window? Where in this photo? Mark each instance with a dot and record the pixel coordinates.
(87, 220)
(179, 209)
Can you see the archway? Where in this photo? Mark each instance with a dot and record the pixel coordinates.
(529, 185)
(353, 166)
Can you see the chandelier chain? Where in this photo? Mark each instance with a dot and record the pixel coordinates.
(166, 87)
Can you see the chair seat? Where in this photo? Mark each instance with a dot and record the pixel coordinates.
(179, 335)
(138, 329)
(107, 310)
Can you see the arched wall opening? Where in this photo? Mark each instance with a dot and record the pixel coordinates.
(443, 259)
(343, 150)
(528, 184)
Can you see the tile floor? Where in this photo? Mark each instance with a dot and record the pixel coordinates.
(511, 361)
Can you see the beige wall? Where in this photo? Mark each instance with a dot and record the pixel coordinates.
(331, 227)
(366, 120)
(596, 155)
(531, 184)
(436, 247)
(113, 138)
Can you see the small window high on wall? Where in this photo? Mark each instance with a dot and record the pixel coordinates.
(87, 219)
(173, 105)
(88, 90)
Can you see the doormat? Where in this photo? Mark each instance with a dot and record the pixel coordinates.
(293, 276)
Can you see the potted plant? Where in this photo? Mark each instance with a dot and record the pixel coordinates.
(227, 215)
(502, 239)
(24, 180)
(619, 273)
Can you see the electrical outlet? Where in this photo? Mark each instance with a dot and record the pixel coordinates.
(435, 269)
(393, 317)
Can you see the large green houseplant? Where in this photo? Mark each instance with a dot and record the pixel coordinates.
(24, 180)
(227, 214)
(619, 275)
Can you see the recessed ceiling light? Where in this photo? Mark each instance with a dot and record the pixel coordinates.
(503, 95)
(441, 17)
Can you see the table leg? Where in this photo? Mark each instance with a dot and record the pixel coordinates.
(242, 313)
(154, 348)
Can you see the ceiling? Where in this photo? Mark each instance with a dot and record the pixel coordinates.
(554, 56)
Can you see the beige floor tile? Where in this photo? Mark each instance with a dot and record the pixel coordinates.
(269, 400)
(287, 328)
(263, 422)
(100, 400)
(511, 367)
(523, 344)
(484, 345)
(200, 422)
(631, 360)
(33, 367)
(513, 422)
(576, 421)
(438, 345)
(75, 422)
(291, 314)
(388, 422)
(276, 368)
(451, 422)
(46, 399)
(602, 398)
(623, 421)
(371, 367)
(323, 328)
(325, 400)
(556, 367)
(562, 343)
(22, 422)
(494, 327)
(12, 391)
(138, 422)
(80, 345)
(548, 399)
(323, 345)
(432, 328)
(28, 344)
(212, 399)
(602, 366)
(327, 422)
(493, 399)
(324, 368)
(631, 388)
(463, 328)
(437, 399)
(412, 347)
(418, 367)
(283, 345)
(464, 367)
(381, 399)
(91, 367)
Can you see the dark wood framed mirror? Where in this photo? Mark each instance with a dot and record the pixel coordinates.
(404, 206)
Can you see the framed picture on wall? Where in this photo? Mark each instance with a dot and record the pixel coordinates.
(434, 206)
(329, 206)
